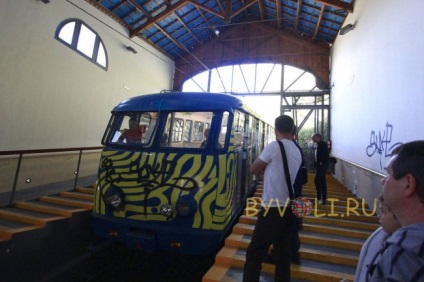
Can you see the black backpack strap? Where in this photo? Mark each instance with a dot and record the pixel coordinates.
(286, 170)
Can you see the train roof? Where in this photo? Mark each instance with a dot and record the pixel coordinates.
(187, 101)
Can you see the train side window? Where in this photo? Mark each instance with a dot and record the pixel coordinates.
(223, 131)
(187, 130)
(198, 131)
(177, 130)
(238, 129)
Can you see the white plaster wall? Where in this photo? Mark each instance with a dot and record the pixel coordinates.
(377, 70)
(52, 97)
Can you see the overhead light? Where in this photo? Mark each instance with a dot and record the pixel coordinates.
(45, 1)
(346, 29)
(129, 48)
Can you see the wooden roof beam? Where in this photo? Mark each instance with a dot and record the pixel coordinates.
(337, 4)
(206, 21)
(207, 9)
(318, 22)
(261, 9)
(278, 10)
(227, 12)
(168, 11)
(245, 6)
(299, 10)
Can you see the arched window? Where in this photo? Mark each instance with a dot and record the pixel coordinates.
(271, 90)
(78, 36)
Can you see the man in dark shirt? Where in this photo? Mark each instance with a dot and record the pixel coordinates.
(321, 164)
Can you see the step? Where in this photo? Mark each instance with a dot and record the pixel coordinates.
(306, 253)
(87, 190)
(343, 222)
(87, 205)
(229, 257)
(224, 273)
(41, 207)
(241, 239)
(8, 228)
(242, 228)
(318, 228)
(324, 221)
(20, 215)
(78, 195)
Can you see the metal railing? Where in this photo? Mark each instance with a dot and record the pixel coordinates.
(363, 168)
(21, 153)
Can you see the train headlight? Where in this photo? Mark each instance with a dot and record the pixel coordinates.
(186, 205)
(114, 197)
(166, 210)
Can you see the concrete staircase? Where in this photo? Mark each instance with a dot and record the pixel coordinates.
(36, 214)
(331, 239)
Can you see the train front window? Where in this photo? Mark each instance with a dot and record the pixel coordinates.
(135, 128)
(186, 129)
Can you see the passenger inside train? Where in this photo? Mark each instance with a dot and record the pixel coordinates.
(134, 133)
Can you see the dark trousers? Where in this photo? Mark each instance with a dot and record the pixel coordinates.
(297, 226)
(321, 182)
(270, 229)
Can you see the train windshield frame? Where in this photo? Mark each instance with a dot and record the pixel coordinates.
(169, 129)
(131, 128)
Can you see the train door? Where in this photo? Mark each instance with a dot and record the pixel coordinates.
(247, 153)
(238, 140)
(252, 148)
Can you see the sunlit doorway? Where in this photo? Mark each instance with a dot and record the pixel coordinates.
(271, 90)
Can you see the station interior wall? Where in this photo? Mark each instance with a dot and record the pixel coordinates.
(377, 90)
(51, 96)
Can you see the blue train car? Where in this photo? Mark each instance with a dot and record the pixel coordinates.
(173, 173)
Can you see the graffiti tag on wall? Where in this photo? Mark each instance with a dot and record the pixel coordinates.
(381, 143)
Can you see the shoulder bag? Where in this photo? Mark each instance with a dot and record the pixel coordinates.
(300, 206)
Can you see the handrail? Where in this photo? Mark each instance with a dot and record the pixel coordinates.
(365, 169)
(41, 151)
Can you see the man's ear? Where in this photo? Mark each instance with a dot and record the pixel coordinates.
(410, 185)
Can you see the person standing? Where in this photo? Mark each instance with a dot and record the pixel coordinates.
(370, 249)
(402, 257)
(275, 220)
(321, 165)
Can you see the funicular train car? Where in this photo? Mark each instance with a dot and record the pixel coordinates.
(173, 174)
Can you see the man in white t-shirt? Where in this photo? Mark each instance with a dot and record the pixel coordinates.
(275, 223)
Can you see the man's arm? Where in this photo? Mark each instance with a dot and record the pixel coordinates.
(258, 167)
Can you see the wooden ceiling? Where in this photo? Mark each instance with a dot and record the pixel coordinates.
(182, 29)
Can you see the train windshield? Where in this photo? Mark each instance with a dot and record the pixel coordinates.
(133, 128)
(180, 129)
(193, 130)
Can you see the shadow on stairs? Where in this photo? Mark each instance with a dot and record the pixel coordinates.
(331, 239)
